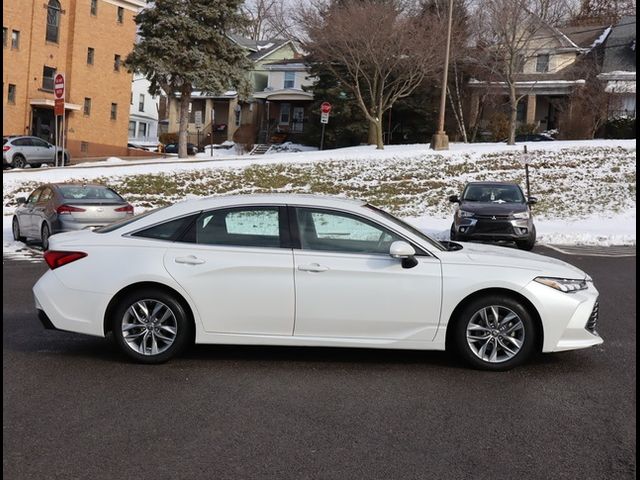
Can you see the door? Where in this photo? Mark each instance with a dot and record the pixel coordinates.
(298, 119)
(347, 284)
(237, 267)
(43, 152)
(41, 210)
(25, 216)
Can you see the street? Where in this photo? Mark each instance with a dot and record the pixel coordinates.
(74, 407)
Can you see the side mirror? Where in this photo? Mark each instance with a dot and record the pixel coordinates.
(405, 252)
(21, 200)
(532, 201)
(454, 199)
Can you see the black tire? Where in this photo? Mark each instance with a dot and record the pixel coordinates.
(183, 325)
(526, 334)
(36, 165)
(18, 161)
(15, 227)
(529, 243)
(45, 233)
(66, 159)
(452, 235)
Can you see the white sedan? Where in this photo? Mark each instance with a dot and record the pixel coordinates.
(304, 270)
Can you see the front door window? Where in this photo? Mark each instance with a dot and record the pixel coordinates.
(298, 119)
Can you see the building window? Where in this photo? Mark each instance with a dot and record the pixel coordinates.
(141, 103)
(84, 147)
(116, 63)
(94, 7)
(114, 111)
(289, 79)
(15, 39)
(87, 106)
(5, 34)
(120, 14)
(53, 21)
(238, 113)
(132, 129)
(542, 63)
(90, 55)
(142, 130)
(47, 77)
(285, 110)
(11, 94)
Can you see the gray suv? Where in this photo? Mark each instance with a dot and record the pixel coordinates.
(20, 151)
(495, 211)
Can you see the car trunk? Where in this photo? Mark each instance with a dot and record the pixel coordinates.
(95, 212)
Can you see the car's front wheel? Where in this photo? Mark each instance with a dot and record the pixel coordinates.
(529, 243)
(15, 227)
(495, 332)
(151, 326)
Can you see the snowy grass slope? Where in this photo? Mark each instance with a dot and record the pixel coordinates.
(586, 189)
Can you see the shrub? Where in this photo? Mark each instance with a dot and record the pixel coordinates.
(499, 126)
(620, 127)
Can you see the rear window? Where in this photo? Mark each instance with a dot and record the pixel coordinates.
(81, 192)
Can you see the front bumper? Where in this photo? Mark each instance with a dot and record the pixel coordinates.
(493, 228)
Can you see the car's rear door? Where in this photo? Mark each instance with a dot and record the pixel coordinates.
(348, 286)
(43, 152)
(237, 266)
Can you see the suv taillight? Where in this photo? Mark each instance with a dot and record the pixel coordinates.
(57, 259)
(67, 209)
(127, 208)
(6, 148)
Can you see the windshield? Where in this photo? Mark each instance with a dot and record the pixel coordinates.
(88, 192)
(406, 226)
(493, 194)
(123, 223)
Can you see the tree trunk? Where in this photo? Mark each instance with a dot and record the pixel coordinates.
(372, 140)
(513, 117)
(379, 138)
(185, 99)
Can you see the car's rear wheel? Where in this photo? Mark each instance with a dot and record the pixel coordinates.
(15, 227)
(61, 157)
(495, 333)
(151, 326)
(45, 233)
(529, 243)
(19, 161)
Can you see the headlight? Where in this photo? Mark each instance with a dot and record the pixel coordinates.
(464, 214)
(566, 285)
(525, 214)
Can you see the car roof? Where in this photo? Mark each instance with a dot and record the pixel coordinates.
(77, 184)
(495, 184)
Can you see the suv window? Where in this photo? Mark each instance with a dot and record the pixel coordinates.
(170, 230)
(241, 227)
(38, 142)
(23, 142)
(341, 232)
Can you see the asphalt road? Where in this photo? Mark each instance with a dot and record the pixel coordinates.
(73, 407)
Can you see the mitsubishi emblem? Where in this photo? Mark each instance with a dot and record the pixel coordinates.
(493, 218)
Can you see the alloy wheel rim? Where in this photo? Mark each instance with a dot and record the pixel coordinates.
(149, 327)
(495, 334)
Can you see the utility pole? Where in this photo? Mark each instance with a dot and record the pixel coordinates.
(440, 140)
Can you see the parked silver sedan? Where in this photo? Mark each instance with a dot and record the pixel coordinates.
(20, 151)
(65, 207)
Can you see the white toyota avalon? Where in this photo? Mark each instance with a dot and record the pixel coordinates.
(305, 270)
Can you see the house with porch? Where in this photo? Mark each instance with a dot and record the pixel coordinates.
(546, 81)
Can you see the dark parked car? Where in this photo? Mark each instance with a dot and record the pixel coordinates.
(534, 137)
(64, 207)
(494, 211)
(20, 151)
(173, 148)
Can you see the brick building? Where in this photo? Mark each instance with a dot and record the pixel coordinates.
(87, 40)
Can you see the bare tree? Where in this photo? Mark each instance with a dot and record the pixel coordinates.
(379, 50)
(267, 19)
(509, 34)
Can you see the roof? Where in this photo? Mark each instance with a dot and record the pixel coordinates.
(260, 49)
(620, 47)
(584, 37)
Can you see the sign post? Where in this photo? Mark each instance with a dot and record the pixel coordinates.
(526, 159)
(198, 125)
(325, 109)
(58, 110)
(213, 128)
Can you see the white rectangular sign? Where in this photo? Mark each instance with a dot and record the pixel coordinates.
(324, 117)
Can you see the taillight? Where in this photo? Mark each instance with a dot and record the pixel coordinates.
(67, 209)
(57, 259)
(127, 208)
(5, 148)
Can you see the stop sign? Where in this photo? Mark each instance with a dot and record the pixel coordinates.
(325, 107)
(58, 86)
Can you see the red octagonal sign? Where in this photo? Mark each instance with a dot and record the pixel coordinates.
(58, 86)
(325, 107)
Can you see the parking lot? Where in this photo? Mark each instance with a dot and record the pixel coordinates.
(74, 407)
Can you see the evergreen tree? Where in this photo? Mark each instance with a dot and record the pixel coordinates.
(184, 45)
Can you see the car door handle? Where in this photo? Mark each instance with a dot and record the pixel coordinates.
(314, 267)
(190, 260)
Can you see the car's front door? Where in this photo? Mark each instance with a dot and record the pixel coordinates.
(347, 284)
(26, 214)
(236, 264)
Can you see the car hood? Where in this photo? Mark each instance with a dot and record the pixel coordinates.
(481, 254)
(491, 208)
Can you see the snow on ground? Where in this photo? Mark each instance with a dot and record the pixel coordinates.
(586, 188)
